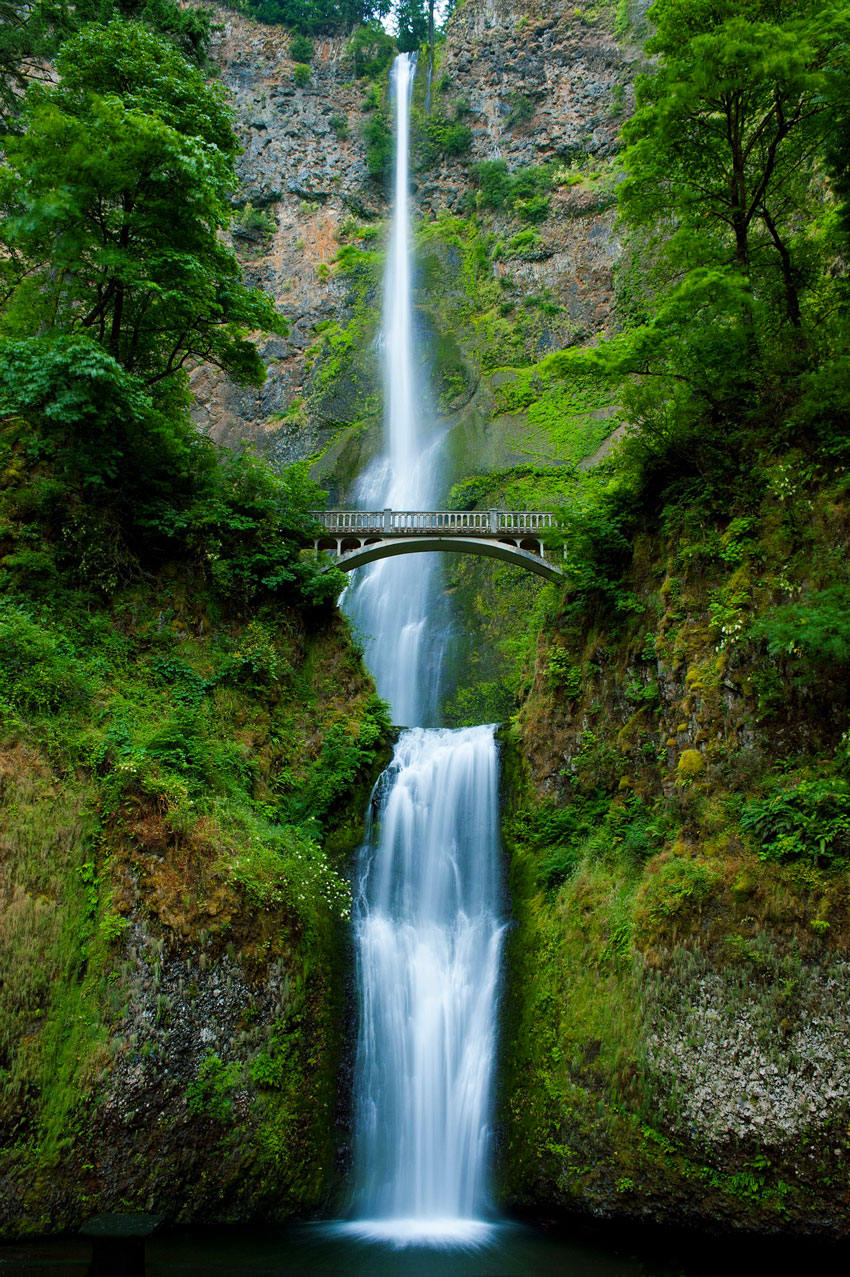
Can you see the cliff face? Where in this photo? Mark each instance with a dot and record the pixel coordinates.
(176, 814)
(304, 168)
(535, 88)
(675, 1040)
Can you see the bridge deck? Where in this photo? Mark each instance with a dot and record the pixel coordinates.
(394, 523)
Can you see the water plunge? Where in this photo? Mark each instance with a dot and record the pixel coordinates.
(427, 918)
(428, 939)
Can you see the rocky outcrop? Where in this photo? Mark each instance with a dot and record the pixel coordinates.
(303, 166)
(534, 87)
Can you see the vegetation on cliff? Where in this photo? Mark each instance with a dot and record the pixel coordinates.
(675, 1044)
(186, 730)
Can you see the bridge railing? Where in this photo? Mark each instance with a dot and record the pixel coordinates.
(448, 522)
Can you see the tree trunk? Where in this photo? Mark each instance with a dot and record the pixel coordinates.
(792, 300)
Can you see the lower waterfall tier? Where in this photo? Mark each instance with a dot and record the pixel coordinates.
(429, 932)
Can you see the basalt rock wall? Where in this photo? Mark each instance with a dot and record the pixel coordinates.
(534, 86)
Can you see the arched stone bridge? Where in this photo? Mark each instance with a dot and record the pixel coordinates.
(357, 537)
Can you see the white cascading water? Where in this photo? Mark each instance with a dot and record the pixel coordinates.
(427, 909)
(428, 940)
(395, 603)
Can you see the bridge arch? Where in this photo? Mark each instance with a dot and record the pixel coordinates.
(371, 551)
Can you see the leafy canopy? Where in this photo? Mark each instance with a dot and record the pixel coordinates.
(115, 274)
(729, 303)
(727, 128)
(31, 33)
(113, 201)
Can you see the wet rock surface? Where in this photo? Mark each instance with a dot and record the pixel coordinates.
(548, 87)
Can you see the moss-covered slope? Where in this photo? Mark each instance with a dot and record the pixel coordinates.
(676, 1023)
(181, 790)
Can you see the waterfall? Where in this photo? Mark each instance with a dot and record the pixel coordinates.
(396, 604)
(428, 929)
(429, 940)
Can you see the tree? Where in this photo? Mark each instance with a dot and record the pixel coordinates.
(113, 201)
(727, 130)
(411, 24)
(32, 31)
(314, 17)
(732, 313)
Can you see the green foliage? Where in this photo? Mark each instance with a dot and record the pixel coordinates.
(30, 34)
(123, 482)
(378, 136)
(761, 72)
(814, 629)
(301, 75)
(249, 526)
(411, 23)
(563, 674)
(810, 820)
(726, 281)
(679, 886)
(254, 222)
(524, 245)
(524, 192)
(480, 702)
(437, 136)
(522, 110)
(113, 200)
(314, 17)
(371, 50)
(301, 49)
(596, 535)
(339, 126)
(348, 749)
(211, 1093)
(287, 864)
(38, 671)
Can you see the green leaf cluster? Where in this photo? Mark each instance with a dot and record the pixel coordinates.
(524, 192)
(114, 201)
(809, 820)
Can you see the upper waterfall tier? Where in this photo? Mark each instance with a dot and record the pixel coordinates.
(396, 605)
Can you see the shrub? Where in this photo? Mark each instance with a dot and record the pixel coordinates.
(38, 673)
(248, 526)
(810, 821)
(301, 75)
(439, 137)
(254, 221)
(379, 146)
(815, 627)
(372, 51)
(522, 110)
(211, 1094)
(301, 49)
(563, 673)
(339, 126)
(286, 864)
(524, 192)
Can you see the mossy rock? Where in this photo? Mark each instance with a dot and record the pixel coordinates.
(690, 765)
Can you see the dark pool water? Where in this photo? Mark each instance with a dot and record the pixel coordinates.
(512, 1250)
